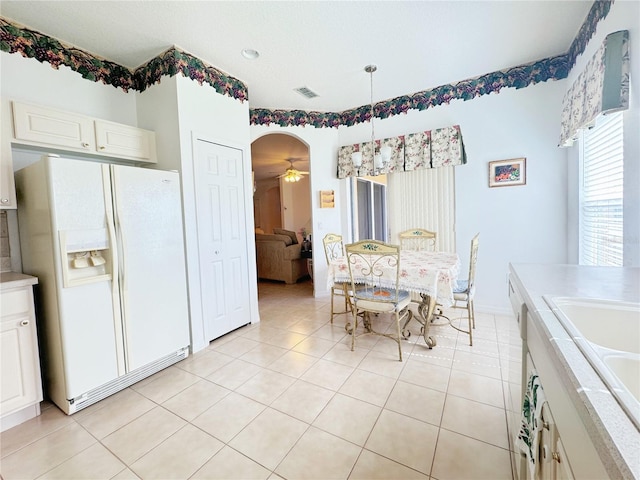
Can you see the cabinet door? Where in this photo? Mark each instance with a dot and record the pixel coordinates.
(19, 367)
(7, 185)
(51, 127)
(561, 468)
(545, 447)
(119, 140)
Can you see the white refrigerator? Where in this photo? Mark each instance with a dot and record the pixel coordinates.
(106, 243)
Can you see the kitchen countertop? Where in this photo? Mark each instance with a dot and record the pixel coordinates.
(614, 435)
(15, 280)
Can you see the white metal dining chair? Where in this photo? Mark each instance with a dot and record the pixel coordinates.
(374, 270)
(333, 249)
(418, 239)
(465, 290)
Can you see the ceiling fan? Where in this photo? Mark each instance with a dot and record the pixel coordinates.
(292, 174)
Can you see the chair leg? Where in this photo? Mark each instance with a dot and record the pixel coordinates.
(473, 313)
(332, 296)
(469, 316)
(398, 337)
(348, 306)
(354, 316)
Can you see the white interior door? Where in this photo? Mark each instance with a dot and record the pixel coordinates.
(222, 240)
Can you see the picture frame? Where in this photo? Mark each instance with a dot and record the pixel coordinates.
(508, 173)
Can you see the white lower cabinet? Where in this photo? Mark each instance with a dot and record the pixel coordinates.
(554, 463)
(561, 419)
(561, 469)
(21, 391)
(553, 460)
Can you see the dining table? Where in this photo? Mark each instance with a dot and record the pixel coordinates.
(431, 275)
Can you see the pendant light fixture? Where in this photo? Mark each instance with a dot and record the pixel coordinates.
(380, 157)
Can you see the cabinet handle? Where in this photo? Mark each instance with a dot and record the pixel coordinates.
(5, 200)
(85, 144)
(24, 323)
(102, 147)
(556, 457)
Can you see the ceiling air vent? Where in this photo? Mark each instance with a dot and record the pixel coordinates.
(306, 92)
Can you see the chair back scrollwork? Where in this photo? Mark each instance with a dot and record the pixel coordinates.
(418, 239)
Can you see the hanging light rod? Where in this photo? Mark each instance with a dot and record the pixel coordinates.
(379, 157)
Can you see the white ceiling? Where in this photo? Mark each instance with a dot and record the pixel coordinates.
(323, 45)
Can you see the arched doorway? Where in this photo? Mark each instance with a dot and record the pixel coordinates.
(278, 203)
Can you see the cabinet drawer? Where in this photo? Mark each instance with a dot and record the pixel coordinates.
(16, 302)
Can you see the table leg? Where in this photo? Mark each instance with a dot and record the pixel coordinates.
(425, 317)
(428, 304)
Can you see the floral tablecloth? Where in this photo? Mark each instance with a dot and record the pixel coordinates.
(431, 273)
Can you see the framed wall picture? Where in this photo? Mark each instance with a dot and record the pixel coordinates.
(507, 173)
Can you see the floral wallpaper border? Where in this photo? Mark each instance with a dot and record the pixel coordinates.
(516, 77)
(15, 38)
(599, 10)
(175, 61)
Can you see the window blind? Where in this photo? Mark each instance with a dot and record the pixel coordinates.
(601, 216)
(424, 199)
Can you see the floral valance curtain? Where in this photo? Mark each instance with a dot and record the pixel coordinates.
(603, 87)
(429, 149)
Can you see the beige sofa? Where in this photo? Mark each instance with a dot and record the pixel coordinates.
(279, 259)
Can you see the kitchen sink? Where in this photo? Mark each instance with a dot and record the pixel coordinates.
(608, 335)
(627, 369)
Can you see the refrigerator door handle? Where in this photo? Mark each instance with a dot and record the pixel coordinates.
(115, 270)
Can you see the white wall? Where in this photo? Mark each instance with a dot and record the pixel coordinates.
(534, 223)
(180, 110)
(516, 224)
(624, 15)
(296, 205)
(29, 81)
(523, 224)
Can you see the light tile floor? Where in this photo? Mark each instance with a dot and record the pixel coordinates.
(288, 399)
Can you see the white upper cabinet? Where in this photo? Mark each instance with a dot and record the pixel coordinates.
(50, 127)
(53, 127)
(124, 141)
